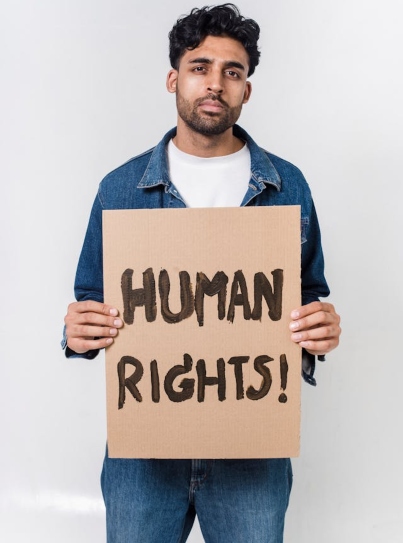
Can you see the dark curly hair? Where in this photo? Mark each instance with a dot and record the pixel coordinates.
(224, 20)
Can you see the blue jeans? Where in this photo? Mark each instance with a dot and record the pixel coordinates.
(156, 501)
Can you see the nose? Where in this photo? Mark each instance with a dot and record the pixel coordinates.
(215, 82)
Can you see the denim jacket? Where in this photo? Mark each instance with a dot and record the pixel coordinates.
(143, 183)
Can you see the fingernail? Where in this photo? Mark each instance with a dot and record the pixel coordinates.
(294, 326)
(113, 331)
(117, 322)
(109, 341)
(294, 314)
(113, 312)
(296, 337)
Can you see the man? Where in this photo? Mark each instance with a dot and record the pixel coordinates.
(206, 161)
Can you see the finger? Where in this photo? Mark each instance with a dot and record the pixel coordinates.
(84, 331)
(311, 308)
(74, 319)
(320, 318)
(320, 347)
(91, 306)
(94, 319)
(320, 332)
(83, 345)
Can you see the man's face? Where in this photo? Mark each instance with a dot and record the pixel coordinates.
(211, 85)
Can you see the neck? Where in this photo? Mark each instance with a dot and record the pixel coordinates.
(203, 146)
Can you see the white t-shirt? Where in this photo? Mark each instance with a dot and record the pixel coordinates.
(210, 182)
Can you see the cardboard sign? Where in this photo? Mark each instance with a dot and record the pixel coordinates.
(204, 366)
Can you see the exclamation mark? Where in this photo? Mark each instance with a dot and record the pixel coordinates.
(283, 374)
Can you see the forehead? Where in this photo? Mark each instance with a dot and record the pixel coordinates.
(218, 49)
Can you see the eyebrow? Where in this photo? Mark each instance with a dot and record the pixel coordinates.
(227, 64)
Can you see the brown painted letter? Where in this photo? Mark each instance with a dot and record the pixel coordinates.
(237, 361)
(138, 297)
(187, 300)
(259, 365)
(273, 296)
(155, 382)
(239, 299)
(204, 381)
(187, 385)
(131, 381)
(218, 285)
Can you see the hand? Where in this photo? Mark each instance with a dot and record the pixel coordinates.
(91, 325)
(315, 327)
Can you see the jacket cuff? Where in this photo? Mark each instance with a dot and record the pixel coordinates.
(69, 353)
(89, 355)
(308, 366)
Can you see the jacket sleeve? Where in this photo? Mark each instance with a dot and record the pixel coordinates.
(88, 283)
(313, 282)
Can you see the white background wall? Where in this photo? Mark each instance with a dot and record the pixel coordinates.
(82, 90)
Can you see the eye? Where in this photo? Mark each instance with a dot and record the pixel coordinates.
(199, 69)
(233, 74)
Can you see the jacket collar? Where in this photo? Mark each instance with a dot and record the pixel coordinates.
(262, 169)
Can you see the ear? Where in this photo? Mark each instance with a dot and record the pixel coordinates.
(172, 79)
(247, 92)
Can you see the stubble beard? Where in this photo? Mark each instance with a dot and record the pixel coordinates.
(207, 123)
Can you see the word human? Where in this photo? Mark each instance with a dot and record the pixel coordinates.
(186, 388)
(217, 286)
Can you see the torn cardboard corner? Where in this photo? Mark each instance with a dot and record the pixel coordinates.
(204, 366)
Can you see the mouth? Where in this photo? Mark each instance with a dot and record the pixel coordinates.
(212, 105)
